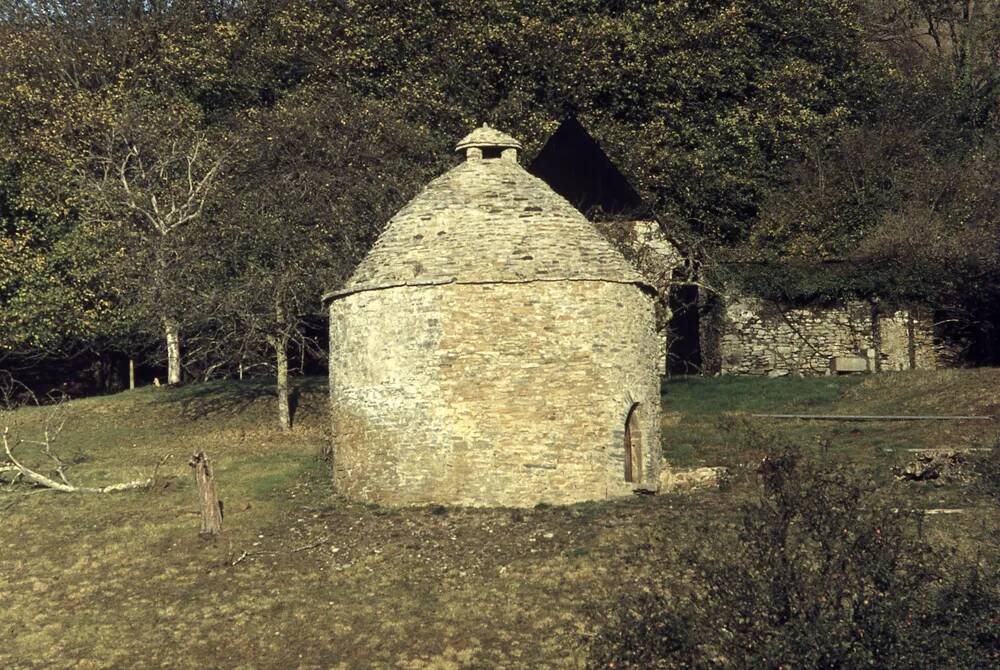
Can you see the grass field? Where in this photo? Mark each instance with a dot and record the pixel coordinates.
(306, 579)
(703, 415)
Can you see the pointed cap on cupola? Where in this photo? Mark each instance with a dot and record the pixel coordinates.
(486, 142)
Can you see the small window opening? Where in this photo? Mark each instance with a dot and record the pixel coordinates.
(492, 152)
(633, 446)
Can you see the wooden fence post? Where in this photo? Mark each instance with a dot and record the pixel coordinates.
(211, 506)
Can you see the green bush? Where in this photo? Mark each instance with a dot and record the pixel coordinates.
(819, 572)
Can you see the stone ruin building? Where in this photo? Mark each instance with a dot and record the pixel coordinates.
(493, 349)
(743, 334)
(730, 332)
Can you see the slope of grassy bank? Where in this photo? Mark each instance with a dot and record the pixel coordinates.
(306, 579)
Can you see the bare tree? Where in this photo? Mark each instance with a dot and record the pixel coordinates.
(152, 180)
(303, 195)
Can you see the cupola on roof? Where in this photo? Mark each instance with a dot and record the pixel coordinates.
(488, 220)
(486, 137)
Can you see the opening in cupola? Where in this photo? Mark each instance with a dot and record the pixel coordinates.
(487, 143)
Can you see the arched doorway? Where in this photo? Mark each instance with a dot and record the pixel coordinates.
(633, 445)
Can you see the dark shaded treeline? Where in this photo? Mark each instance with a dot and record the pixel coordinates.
(287, 132)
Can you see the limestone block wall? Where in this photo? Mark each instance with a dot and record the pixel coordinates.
(493, 393)
(761, 338)
(656, 258)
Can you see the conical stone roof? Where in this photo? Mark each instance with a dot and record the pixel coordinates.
(488, 221)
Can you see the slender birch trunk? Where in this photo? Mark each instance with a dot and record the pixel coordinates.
(172, 330)
(284, 413)
(131, 374)
(280, 344)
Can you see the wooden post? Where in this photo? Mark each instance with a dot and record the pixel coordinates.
(211, 506)
(911, 339)
(131, 374)
(876, 336)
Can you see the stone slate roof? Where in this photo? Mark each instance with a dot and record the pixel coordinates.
(488, 221)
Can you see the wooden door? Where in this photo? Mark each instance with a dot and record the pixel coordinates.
(633, 446)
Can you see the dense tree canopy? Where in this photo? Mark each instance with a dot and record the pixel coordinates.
(861, 133)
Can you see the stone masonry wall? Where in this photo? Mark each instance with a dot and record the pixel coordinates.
(656, 258)
(761, 338)
(492, 394)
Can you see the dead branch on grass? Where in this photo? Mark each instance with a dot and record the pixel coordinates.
(14, 394)
(11, 444)
(315, 544)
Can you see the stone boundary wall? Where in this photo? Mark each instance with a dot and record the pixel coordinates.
(749, 336)
(744, 335)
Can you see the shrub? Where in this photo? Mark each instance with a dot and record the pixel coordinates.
(819, 572)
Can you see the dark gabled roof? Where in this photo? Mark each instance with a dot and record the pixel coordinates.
(575, 166)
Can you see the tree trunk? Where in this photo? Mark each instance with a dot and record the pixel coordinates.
(208, 498)
(172, 331)
(284, 413)
(131, 374)
(280, 344)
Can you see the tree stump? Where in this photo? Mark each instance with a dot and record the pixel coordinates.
(211, 506)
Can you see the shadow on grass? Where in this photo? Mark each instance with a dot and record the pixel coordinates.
(230, 396)
(713, 395)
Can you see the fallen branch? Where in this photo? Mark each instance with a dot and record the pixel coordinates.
(39, 479)
(156, 469)
(871, 417)
(14, 394)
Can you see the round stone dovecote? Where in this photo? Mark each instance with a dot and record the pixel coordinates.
(493, 349)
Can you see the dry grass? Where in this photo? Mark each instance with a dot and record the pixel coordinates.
(318, 582)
